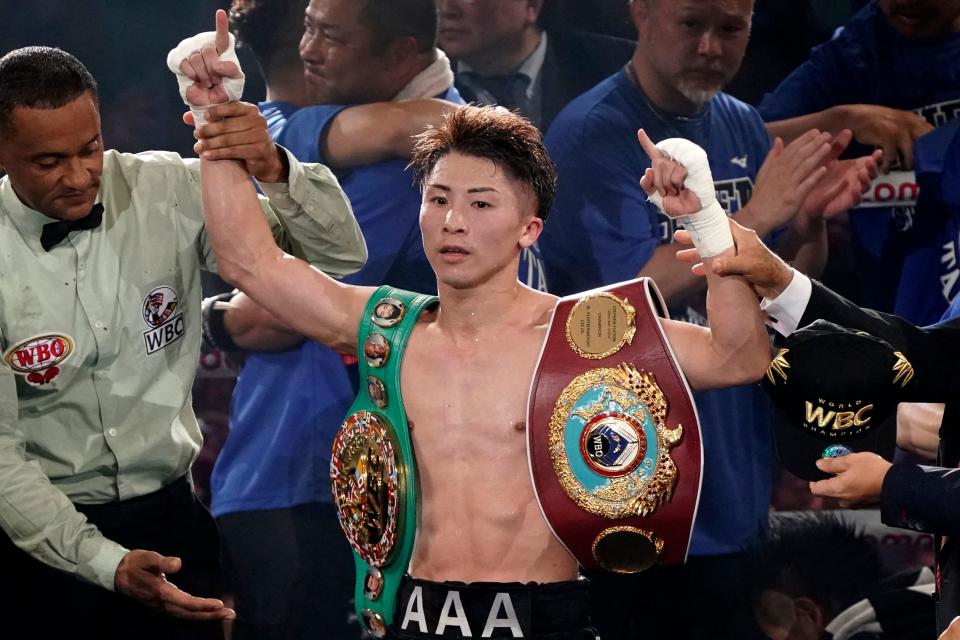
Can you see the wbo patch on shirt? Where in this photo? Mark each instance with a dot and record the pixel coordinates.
(160, 314)
(38, 358)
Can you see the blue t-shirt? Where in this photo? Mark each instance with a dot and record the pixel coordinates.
(953, 311)
(288, 405)
(931, 273)
(868, 61)
(602, 230)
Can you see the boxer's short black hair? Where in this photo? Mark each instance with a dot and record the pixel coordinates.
(40, 78)
(505, 138)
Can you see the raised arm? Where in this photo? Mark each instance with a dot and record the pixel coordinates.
(735, 349)
(793, 301)
(309, 215)
(308, 301)
(799, 187)
(247, 255)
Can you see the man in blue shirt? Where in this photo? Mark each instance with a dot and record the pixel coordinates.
(603, 230)
(890, 75)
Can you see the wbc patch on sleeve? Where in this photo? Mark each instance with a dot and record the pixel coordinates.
(38, 358)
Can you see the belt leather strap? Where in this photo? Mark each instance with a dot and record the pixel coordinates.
(372, 467)
(613, 437)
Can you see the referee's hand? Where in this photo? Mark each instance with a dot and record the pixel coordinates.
(766, 272)
(953, 631)
(142, 575)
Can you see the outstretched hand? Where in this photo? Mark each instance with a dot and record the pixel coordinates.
(208, 71)
(858, 480)
(893, 131)
(142, 575)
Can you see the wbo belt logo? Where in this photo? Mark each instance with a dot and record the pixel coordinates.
(37, 358)
(613, 444)
(159, 313)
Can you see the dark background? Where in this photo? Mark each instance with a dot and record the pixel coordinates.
(124, 44)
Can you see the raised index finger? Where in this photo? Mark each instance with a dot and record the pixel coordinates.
(647, 144)
(222, 39)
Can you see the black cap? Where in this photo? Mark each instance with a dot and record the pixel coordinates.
(834, 386)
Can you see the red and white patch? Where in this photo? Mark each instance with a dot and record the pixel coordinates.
(159, 306)
(38, 358)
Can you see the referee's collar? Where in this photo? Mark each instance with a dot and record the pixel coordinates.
(29, 221)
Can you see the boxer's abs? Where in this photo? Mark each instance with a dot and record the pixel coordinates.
(480, 520)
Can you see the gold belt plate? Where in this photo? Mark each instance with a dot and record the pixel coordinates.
(365, 476)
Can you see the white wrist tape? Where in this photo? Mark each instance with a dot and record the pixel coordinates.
(709, 227)
(233, 86)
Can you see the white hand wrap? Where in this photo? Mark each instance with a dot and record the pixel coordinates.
(233, 86)
(709, 227)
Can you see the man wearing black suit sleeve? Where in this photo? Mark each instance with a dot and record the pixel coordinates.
(911, 496)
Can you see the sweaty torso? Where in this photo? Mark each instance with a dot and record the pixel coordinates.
(466, 400)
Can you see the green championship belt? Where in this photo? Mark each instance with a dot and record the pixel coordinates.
(372, 469)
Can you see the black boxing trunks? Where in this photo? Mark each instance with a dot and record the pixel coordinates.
(553, 611)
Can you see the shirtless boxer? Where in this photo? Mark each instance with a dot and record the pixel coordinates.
(469, 362)
(487, 185)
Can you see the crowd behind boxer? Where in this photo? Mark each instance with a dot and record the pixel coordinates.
(880, 96)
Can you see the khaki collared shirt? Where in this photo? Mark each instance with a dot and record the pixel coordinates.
(100, 339)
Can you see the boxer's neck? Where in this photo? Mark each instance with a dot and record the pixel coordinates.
(479, 310)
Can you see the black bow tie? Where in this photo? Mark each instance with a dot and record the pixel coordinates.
(54, 232)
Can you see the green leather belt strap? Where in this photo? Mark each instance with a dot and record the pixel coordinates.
(372, 469)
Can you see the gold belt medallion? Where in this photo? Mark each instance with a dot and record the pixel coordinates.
(609, 444)
(366, 485)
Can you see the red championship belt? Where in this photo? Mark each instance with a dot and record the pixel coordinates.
(613, 438)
